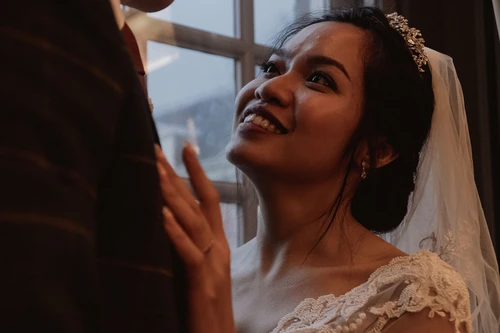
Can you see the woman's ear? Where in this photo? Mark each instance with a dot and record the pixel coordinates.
(384, 154)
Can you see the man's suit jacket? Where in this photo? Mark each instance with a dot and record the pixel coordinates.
(135, 54)
(82, 247)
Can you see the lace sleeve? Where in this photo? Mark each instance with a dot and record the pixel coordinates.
(439, 291)
(419, 292)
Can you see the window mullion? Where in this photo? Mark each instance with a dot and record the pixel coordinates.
(191, 38)
(245, 20)
(247, 208)
(261, 53)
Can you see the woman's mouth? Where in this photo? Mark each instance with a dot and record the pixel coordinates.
(263, 122)
(261, 117)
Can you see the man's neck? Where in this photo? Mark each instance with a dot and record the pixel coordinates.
(119, 16)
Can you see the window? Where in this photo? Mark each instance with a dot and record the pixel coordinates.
(214, 16)
(194, 95)
(198, 54)
(272, 16)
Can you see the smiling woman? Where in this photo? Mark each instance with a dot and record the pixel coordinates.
(323, 98)
(341, 135)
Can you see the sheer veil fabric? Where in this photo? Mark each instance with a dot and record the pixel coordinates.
(445, 214)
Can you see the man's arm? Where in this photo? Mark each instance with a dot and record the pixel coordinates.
(59, 107)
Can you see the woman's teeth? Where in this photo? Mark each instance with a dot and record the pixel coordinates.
(262, 122)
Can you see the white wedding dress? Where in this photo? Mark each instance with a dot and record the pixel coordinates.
(410, 284)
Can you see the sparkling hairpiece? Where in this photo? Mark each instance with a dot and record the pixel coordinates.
(412, 36)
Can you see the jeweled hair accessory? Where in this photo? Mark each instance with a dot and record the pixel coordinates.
(412, 36)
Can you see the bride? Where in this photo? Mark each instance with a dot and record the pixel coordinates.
(355, 139)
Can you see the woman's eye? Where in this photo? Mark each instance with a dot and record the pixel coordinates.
(269, 68)
(320, 79)
(323, 79)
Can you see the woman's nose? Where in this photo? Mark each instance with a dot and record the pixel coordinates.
(277, 90)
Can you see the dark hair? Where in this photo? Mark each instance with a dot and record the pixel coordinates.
(399, 103)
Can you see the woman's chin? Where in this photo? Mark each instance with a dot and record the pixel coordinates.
(246, 160)
(238, 158)
(243, 156)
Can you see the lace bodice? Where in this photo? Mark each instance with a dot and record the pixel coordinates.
(407, 284)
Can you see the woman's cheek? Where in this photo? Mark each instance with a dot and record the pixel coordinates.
(244, 96)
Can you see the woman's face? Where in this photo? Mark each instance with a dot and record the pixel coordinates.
(296, 119)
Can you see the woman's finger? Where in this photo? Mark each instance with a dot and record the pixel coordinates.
(171, 195)
(181, 189)
(207, 194)
(187, 249)
(194, 223)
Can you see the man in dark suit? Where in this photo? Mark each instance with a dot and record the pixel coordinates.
(82, 246)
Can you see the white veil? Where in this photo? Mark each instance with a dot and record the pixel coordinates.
(445, 214)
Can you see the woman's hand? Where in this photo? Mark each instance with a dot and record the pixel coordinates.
(196, 230)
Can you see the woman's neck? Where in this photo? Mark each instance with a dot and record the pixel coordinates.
(292, 220)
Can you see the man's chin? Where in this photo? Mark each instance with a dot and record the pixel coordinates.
(147, 5)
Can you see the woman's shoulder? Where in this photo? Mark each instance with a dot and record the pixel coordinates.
(423, 282)
(411, 284)
(423, 267)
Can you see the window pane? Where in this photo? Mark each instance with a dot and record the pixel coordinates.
(258, 69)
(214, 16)
(193, 93)
(272, 16)
(230, 221)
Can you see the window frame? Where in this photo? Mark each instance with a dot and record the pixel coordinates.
(245, 53)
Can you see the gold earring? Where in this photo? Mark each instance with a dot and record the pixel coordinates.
(363, 172)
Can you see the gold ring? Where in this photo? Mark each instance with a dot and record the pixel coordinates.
(209, 246)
